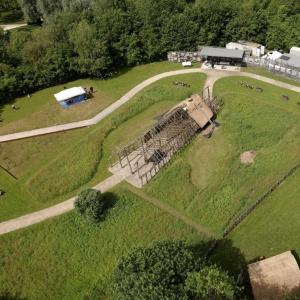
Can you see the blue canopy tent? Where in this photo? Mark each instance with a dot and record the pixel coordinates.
(71, 96)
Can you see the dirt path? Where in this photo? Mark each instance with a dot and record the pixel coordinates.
(170, 210)
(61, 208)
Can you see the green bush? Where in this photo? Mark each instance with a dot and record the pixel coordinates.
(90, 204)
(210, 283)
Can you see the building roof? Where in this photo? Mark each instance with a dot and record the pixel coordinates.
(290, 59)
(295, 51)
(249, 44)
(69, 93)
(198, 110)
(278, 275)
(273, 55)
(222, 52)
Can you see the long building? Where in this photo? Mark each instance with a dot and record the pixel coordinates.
(217, 55)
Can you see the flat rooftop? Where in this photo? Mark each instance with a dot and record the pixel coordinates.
(222, 52)
(277, 277)
(290, 59)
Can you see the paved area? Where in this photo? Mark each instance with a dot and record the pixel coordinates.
(61, 208)
(12, 26)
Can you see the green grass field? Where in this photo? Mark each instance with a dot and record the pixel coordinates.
(52, 168)
(207, 181)
(66, 258)
(271, 229)
(274, 226)
(42, 109)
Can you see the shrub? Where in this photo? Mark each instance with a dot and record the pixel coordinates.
(90, 204)
(210, 283)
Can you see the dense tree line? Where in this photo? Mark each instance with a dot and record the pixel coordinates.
(96, 37)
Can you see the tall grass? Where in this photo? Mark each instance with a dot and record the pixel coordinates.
(67, 258)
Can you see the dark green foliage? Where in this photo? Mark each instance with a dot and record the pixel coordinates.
(99, 37)
(157, 272)
(30, 10)
(210, 283)
(90, 204)
(10, 11)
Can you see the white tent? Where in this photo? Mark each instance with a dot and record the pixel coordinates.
(69, 94)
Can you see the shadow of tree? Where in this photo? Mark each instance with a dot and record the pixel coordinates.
(110, 200)
(231, 259)
(8, 296)
(263, 290)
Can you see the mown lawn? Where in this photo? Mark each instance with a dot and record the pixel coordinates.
(207, 180)
(271, 229)
(42, 110)
(52, 168)
(66, 258)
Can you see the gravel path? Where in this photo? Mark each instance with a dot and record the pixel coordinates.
(61, 208)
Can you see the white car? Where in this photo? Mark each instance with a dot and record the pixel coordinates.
(187, 64)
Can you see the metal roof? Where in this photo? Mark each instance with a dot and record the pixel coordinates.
(290, 59)
(222, 52)
(69, 93)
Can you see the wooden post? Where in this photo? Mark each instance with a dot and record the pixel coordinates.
(128, 162)
(138, 169)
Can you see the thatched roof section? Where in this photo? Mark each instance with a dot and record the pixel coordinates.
(277, 277)
(198, 110)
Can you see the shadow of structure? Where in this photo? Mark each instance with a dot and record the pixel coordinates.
(263, 290)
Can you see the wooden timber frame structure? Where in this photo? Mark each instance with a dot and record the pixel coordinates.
(149, 152)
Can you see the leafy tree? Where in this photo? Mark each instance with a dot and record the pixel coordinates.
(210, 283)
(157, 272)
(48, 7)
(93, 37)
(93, 56)
(90, 204)
(30, 10)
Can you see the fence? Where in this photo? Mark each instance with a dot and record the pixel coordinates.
(273, 66)
(238, 219)
(244, 214)
(182, 56)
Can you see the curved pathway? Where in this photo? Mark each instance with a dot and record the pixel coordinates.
(104, 113)
(66, 206)
(212, 76)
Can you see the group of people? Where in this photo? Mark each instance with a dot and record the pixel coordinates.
(181, 84)
(247, 85)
